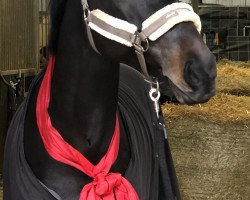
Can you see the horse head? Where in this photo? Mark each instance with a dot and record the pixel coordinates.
(80, 100)
(179, 54)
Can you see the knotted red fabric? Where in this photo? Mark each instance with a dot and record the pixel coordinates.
(105, 186)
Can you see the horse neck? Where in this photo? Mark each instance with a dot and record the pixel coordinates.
(84, 87)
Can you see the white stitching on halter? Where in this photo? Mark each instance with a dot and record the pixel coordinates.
(175, 13)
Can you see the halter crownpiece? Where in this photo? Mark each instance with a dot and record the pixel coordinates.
(127, 34)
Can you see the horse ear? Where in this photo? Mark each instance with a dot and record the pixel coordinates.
(56, 8)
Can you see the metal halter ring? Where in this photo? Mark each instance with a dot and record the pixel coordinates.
(86, 13)
(146, 47)
(152, 92)
(141, 44)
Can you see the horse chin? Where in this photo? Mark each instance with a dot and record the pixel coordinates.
(191, 98)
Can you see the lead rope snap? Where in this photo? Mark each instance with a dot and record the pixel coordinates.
(154, 95)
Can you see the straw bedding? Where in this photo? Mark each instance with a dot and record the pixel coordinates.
(211, 142)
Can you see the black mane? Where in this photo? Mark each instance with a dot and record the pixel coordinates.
(56, 8)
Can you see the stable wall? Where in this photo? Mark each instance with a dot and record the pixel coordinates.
(19, 50)
(227, 31)
(18, 34)
(3, 120)
(228, 2)
(223, 2)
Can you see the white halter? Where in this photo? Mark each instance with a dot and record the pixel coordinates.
(127, 34)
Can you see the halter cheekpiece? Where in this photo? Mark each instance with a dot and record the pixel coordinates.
(127, 34)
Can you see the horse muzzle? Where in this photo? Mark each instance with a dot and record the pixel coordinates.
(202, 82)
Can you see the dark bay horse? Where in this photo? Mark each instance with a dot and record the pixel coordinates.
(84, 88)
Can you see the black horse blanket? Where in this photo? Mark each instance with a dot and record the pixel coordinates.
(152, 176)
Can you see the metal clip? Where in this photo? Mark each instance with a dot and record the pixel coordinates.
(154, 95)
(139, 44)
(13, 85)
(164, 130)
(86, 13)
(136, 39)
(146, 46)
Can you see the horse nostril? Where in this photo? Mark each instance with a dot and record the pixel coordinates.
(191, 75)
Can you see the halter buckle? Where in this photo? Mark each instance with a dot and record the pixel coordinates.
(138, 42)
(86, 13)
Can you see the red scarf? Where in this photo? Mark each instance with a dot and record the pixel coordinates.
(105, 185)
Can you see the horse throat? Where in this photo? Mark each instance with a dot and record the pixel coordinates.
(83, 90)
(83, 106)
